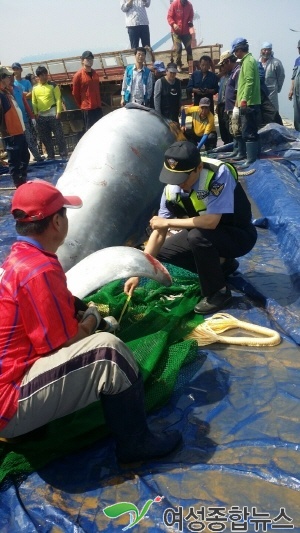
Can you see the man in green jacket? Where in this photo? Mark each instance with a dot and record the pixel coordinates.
(248, 100)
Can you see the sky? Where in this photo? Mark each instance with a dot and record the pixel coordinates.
(49, 29)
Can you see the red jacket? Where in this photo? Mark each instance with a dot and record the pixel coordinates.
(86, 89)
(180, 15)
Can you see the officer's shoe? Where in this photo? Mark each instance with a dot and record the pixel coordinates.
(229, 267)
(211, 304)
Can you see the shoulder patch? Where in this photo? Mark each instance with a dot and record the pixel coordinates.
(216, 189)
(202, 194)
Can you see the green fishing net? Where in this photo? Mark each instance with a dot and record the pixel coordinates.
(153, 324)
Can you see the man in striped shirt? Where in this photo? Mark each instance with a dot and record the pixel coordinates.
(137, 22)
(51, 363)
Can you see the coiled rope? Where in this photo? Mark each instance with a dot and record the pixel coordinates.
(209, 332)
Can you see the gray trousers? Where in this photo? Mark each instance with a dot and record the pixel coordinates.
(70, 379)
(296, 101)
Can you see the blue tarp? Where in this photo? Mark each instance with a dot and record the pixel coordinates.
(238, 407)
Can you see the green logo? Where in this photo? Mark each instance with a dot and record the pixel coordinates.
(118, 509)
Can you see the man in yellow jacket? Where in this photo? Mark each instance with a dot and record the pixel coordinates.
(47, 107)
(204, 130)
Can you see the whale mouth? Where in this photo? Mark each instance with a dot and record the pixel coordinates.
(113, 263)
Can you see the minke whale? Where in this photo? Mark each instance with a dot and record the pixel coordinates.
(115, 169)
(113, 263)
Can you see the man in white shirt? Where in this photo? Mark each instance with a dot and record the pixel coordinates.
(137, 22)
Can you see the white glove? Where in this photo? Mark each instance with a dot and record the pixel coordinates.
(112, 325)
(33, 122)
(235, 113)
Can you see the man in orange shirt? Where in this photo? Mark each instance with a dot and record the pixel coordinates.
(12, 130)
(86, 91)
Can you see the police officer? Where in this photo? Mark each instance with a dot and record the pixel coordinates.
(205, 202)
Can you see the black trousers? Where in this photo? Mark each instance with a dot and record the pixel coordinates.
(249, 122)
(200, 250)
(91, 116)
(137, 33)
(223, 119)
(211, 141)
(18, 157)
(269, 113)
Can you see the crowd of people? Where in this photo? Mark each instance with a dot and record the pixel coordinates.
(57, 354)
(246, 90)
(243, 95)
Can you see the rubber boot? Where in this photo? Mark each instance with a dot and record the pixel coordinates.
(258, 148)
(252, 151)
(126, 417)
(234, 152)
(241, 150)
(18, 180)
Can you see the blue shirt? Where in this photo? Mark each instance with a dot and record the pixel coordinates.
(18, 95)
(24, 84)
(231, 88)
(197, 81)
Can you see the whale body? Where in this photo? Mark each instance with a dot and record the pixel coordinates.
(115, 170)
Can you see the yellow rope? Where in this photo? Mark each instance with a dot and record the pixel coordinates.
(124, 308)
(209, 332)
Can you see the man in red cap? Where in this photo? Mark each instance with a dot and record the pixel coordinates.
(51, 362)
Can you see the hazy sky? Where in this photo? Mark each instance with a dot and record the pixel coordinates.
(62, 28)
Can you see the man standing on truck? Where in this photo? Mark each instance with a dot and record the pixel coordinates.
(137, 22)
(180, 17)
(86, 91)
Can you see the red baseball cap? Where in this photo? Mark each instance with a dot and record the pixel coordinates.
(39, 199)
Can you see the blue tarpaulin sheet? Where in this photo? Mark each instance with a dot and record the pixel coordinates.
(239, 410)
